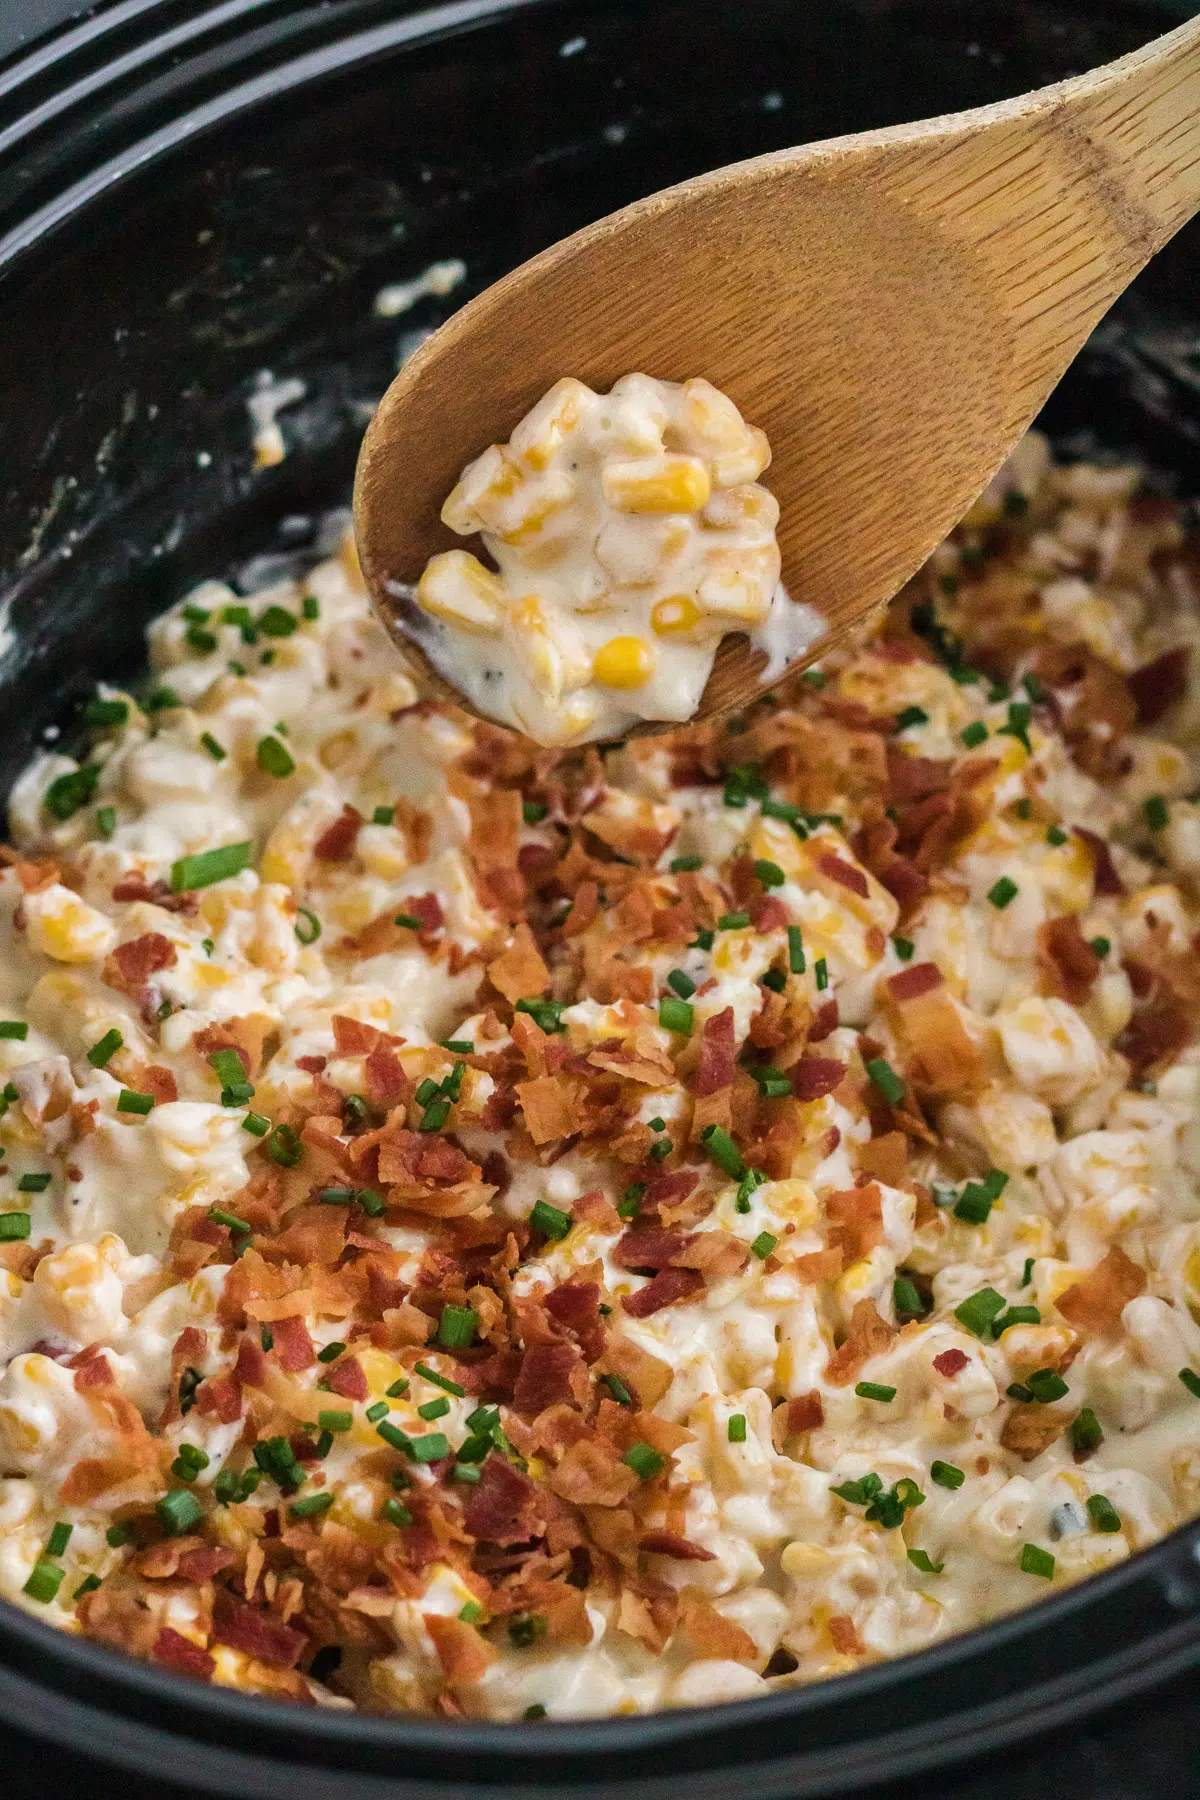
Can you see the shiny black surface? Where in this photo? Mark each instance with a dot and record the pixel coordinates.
(191, 192)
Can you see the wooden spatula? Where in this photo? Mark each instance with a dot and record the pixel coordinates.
(892, 308)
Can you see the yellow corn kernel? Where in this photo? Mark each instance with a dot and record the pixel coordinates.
(624, 662)
(489, 478)
(456, 587)
(348, 557)
(1191, 1281)
(730, 468)
(666, 484)
(677, 613)
(541, 432)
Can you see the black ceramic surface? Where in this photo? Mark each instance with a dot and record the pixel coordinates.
(192, 192)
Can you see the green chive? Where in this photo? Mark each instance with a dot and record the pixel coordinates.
(533, 811)
(219, 1216)
(398, 1388)
(733, 921)
(105, 1048)
(736, 1431)
(946, 1475)
(202, 870)
(256, 1125)
(1154, 811)
(311, 1506)
(821, 974)
(408, 921)
(100, 714)
(763, 1245)
(904, 948)
(59, 1538)
(457, 1327)
(769, 873)
(645, 1462)
(773, 1084)
(724, 1151)
(1101, 946)
(434, 1409)
(106, 820)
(1056, 836)
(874, 1390)
(978, 1310)
(120, 1534)
(681, 984)
(337, 1196)
(1035, 1561)
(1191, 1381)
(434, 1116)
(442, 1381)
(974, 1204)
(277, 622)
(130, 1102)
(284, 1146)
(335, 1421)
(274, 758)
(429, 1449)
(1046, 1385)
(199, 639)
(1085, 1433)
(36, 1182)
(911, 715)
(684, 865)
(886, 1080)
(16, 1029)
(546, 1014)
(974, 734)
(395, 1514)
(45, 1579)
(162, 699)
(14, 1226)
(526, 1628)
(630, 1203)
(906, 1298)
(676, 1015)
(1002, 892)
(617, 1389)
(795, 940)
(379, 1410)
(179, 1512)
(1027, 1272)
(775, 979)
(384, 815)
(88, 1585)
(1103, 1513)
(549, 1220)
(331, 1352)
(310, 607)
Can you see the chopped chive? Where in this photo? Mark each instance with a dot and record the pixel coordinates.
(724, 1151)
(14, 1226)
(645, 1461)
(773, 1084)
(1103, 1513)
(1027, 1272)
(763, 1245)
(630, 1203)
(228, 1067)
(434, 1409)
(199, 639)
(795, 939)
(978, 1310)
(471, 1612)
(752, 1180)
(874, 1390)
(1191, 1381)
(769, 873)
(1154, 811)
(974, 1204)
(178, 1512)
(334, 1420)
(162, 699)
(886, 1080)
(284, 1146)
(378, 1410)
(434, 1116)
(274, 758)
(408, 921)
(310, 607)
(45, 1579)
(904, 948)
(1084, 1433)
(617, 1389)
(384, 815)
(395, 1513)
(106, 821)
(550, 1220)
(457, 1327)
(88, 1585)
(821, 974)
(681, 984)
(105, 1048)
(658, 1124)
(533, 811)
(192, 872)
(1016, 1315)
(906, 1298)
(1035, 1561)
(1056, 836)
(733, 921)
(703, 941)
(684, 865)
(256, 1125)
(331, 1352)
(130, 1102)
(219, 1216)
(59, 1538)
(676, 1015)
(546, 1014)
(120, 1534)
(16, 1029)
(36, 1182)
(427, 1091)
(1046, 1385)
(911, 715)
(780, 809)
(67, 793)
(277, 622)
(428, 1449)
(1001, 892)
(945, 1475)
(100, 714)
(337, 1196)
(974, 734)
(311, 1506)
(1101, 946)
(736, 1429)
(398, 1388)
(775, 979)
(442, 1381)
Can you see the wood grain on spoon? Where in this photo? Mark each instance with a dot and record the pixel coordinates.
(892, 308)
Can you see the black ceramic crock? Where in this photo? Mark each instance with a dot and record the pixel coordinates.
(194, 191)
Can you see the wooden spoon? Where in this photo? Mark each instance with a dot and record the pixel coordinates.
(892, 308)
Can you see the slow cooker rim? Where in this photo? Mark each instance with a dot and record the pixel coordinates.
(1170, 1563)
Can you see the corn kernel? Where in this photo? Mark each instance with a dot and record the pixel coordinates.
(678, 612)
(668, 484)
(542, 432)
(624, 662)
(456, 586)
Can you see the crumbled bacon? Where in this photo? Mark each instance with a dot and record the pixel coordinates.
(174, 1651)
(718, 1054)
(1068, 962)
(336, 843)
(1105, 879)
(869, 1335)
(1095, 1304)
(347, 1379)
(951, 1362)
(258, 1633)
(805, 1413)
(648, 1249)
(667, 1288)
(813, 1077)
(856, 1221)
(131, 965)
(669, 1543)
(1159, 685)
(505, 1507)
(293, 1346)
(545, 1377)
(846, 874)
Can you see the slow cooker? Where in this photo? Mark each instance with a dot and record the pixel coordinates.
(204, 206)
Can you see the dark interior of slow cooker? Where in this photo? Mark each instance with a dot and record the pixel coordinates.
(134, 333)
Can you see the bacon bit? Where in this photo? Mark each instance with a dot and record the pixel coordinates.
(1105, 879)
(464, 1655)
(597, 1210)
(247, 1035)
(825, 1021)
(336, 843)
(843, 1634)
(710, 1633)
(951, 1362)
(805, 1412)
(1156, 1034)
(856, 1221)
(1067, 961)
(250, 1367)
(875, 847)
(1095, 1304)
(1028, 1430)
(205, 1561)
(1159, 685)
(519, 972)
(591, 1473)
(669, 1543)
(1100, 708)
(386, 1083)
(92, 1370)
(920, 979)
(131, 965)
(177, 1653)
(817, 1266)
(886, 1158)
(846, 874)
(945, 1062)
(769, 914)
(668, 1288)
(813, 1077)
(869, 1336)
(671, 1189)
(716, 1254)
(160, 1082)
(718, 1054)
(545, 1377)
(353, 1037)
(585, 908)
(426, 909)
(504, 1508)
(550, 1104)
(648, 1249)
(259, 1634)
(220, 1397)
(136, 887)
(312, 1065)
(347, 1379)
(646, 1376)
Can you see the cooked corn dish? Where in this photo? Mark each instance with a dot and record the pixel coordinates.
(630, 534)
(510, 1232)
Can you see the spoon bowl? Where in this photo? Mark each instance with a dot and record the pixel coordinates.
(892, 308)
